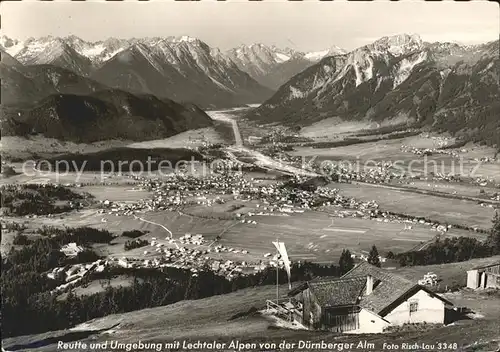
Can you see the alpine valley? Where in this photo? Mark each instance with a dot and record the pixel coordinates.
(399, 81)
(153, 84)
(396, 81)
(161, 194)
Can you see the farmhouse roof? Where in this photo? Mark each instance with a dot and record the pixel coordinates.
(388, 288)
(486, 266)
(334, 292)
(388, 291)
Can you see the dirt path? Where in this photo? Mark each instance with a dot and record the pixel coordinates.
(154, 223)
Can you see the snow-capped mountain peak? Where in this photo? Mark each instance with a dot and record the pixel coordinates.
(259, 55)
(318, 55)
(11, 46)
(53, 50)
(271, 65)
(397, 44)
(183, 38)
(280, 57)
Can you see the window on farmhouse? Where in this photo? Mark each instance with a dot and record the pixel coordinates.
(413, 307)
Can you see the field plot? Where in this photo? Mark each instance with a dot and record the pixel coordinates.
(443, 210)
(315, 236)
(363, 157)
(249, 128)
(381, 150)
(448, 165)
(29, 175)
(119, 193)
(460, 189)
(490, 171)
(332, 126)
(312, 235)
(96, 286)
(225, 211)
(86, 217)
(15, 147)
(390, 151)
(472, 151)
(188, 139)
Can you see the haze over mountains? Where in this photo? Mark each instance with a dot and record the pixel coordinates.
(398, 79)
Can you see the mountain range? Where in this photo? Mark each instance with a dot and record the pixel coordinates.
(58, 103)
(104, 115)
(394, 80)
(182, 71)
(72, 89)
(178, 68)
(397, 79)
(222, 74)
(272, 66)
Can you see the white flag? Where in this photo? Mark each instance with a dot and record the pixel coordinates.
(280, 246)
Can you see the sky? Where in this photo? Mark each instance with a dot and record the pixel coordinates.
(306, 26)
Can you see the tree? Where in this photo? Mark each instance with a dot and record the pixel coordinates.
(373, 257)
(494, 236)
(346, 262)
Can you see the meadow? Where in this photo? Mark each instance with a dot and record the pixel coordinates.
(452, 188)
(443, 210)
(233, 316)
(309, 236)
(390, 151)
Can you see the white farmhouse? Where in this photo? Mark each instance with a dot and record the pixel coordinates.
(365, 300)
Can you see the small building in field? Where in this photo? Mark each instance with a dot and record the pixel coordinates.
(71, 249)
(486, 276)
(367, 299)
(254, 139)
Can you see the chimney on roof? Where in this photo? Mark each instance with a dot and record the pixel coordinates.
(369, 284)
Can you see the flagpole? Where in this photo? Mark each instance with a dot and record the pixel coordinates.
(283, 255)
(277, 275)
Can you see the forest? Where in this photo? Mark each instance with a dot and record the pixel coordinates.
(27, 297)
(455, 249)
(34, 199)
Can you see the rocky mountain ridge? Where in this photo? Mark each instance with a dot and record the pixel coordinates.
(179, 68)
(397, 79)
(269, 65)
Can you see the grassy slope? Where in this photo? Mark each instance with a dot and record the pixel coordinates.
(445, 210)
(450, 274)
(210, 318)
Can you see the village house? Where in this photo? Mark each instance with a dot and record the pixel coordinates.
(254, 139)
(71, 249)
(367, 299)
(487, 276)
